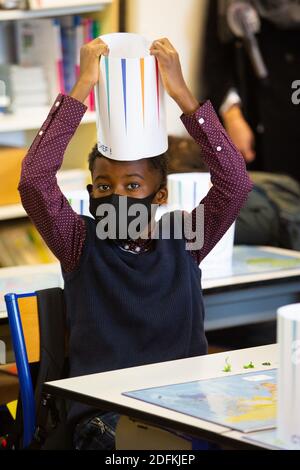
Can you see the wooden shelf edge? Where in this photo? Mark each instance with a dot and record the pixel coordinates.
(12, 211)
(27, 120)
(11, 15)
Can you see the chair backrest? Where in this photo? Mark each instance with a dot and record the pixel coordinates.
(37, 324)
(53, 337)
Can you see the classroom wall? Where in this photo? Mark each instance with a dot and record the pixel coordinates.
(182, 22)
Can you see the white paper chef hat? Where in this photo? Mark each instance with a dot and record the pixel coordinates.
(129, 97)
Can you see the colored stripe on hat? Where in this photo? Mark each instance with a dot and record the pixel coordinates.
(124, 89)
(107, 85)
(157, 87)
(142, 67)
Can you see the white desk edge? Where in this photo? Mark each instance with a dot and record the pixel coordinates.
(256, 277)
(213, 283)
(109, 386)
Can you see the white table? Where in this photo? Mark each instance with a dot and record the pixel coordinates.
(230, 299)
(251, 292)
(104, 390)
(25, 279)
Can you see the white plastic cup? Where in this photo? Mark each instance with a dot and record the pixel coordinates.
(288, 412)
(186, 190)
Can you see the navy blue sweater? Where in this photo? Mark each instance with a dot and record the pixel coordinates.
(126, 310)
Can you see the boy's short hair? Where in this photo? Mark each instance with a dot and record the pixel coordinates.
(159, 162)
(185, 156)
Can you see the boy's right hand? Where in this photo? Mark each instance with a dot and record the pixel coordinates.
(90, 55)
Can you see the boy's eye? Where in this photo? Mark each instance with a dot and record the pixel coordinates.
(133, 186)
(103, 187)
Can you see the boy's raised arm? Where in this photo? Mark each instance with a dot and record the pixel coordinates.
(230, 180)
(231, 183)
(61, 228)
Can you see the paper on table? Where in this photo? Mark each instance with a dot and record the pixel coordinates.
(245, 402)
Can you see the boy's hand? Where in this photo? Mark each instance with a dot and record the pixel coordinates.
(171, 74)
(240, 132)
(90, 55)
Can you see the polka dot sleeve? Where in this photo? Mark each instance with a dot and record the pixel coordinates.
(62, 229)
(231, 183)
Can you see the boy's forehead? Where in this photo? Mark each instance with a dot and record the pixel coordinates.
(115, 167)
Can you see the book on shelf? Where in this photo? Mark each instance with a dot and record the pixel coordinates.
(88, 36)
(53, 44)
(58, 53)
(21, 244)
(79, 38)
(25, 86)
(7, 53)
(36, 45)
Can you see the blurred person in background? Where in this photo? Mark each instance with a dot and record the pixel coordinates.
(251, 73)
(271, 214)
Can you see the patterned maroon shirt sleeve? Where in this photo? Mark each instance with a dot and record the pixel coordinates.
(231, 183)
(64, 230)
(61, 228)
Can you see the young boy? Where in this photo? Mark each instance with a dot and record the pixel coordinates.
(129, 302)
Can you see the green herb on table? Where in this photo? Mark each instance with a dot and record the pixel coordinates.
(249, 366)
(227, 367)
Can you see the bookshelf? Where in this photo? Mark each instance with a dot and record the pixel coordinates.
(107, 11)
(23, 124)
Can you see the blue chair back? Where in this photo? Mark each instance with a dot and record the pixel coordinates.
(22, 362)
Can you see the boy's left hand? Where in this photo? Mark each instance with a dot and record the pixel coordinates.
(169, 66)
(171, 74)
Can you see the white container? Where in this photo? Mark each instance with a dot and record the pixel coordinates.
(129, 97)
(186, 190)
(288, 412)
(79, 201)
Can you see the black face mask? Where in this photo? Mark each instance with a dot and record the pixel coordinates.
(114, 217)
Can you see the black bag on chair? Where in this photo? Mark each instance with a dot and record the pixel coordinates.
(271, 215)
(52, 429)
